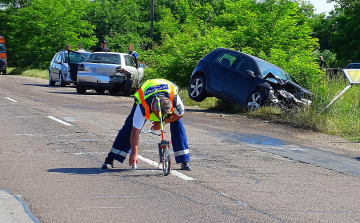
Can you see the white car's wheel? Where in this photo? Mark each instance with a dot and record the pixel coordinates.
(61, 81)
(51, 82)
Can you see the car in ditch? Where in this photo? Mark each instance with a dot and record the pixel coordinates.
(240, 78)
(114, 72)
(64, 65)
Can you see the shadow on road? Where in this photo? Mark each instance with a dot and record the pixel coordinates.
(83, 170)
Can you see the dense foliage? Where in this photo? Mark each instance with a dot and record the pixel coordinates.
(284, 32)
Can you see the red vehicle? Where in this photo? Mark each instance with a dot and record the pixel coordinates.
(3, 57)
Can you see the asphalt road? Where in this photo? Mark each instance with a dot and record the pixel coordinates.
(53, 141)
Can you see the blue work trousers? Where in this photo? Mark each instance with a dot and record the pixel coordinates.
(121, 146)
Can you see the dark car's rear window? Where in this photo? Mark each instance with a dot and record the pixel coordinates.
(104, 58)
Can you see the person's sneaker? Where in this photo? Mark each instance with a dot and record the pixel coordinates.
(108, 164)
(185, 166)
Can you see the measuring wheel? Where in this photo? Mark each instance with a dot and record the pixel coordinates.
(164, 152)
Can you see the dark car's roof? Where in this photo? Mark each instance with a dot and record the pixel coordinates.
(253, 57)
(352, 65)
(258, 60)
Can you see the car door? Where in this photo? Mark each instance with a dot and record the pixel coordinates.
(238, 84)
(131, 67)
(218, 70)
(56, 67)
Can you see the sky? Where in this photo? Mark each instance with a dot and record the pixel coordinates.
(322, 6)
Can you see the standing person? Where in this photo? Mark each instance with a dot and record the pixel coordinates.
(322, 62)
(103, 47)
(133, 53)
(68, 47)
(146, 108)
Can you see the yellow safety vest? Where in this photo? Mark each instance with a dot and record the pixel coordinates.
(149, 88)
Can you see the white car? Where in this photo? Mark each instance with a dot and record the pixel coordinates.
(63, 67)
(115, 72)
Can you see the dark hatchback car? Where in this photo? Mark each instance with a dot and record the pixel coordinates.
(243, 79)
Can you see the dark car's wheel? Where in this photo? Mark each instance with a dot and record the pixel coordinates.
(4, 72)
(197, 89)
(80, 89)
(100, 91)
(127, 88)
(62, 83)
(51, 82)
(255, 100)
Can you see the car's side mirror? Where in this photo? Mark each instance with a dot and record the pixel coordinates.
(250, 73)
(142, 65)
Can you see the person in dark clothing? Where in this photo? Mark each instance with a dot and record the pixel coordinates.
(103, 47)
(322, 62)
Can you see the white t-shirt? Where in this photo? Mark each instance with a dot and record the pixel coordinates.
(139, 119)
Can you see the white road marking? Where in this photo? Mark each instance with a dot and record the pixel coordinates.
(173, 172)
(11, 99)
(58, 120)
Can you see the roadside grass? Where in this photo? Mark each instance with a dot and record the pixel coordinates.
(340, 118)
(44, 74)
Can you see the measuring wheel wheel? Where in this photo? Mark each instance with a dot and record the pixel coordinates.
(166, 160)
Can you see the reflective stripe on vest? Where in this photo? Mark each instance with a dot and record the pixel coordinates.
(171, 98)
(146, 106)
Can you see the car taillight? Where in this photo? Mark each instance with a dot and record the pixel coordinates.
(81, 67)
(119, 69)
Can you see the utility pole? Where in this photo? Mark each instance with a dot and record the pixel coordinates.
(151, 23)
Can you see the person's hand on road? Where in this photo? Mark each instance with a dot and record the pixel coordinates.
(133, 159)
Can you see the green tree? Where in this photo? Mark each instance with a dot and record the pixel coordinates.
(121, 22)
(344, 39)
(46, 26)
(270, 30)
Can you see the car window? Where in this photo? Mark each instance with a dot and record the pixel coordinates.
(226, 58)
(61, 57)
(245, 64)
(353, 66)
(129, 61)
(76, 57)
(57, 59)
(66, 57)
(103, 58)
(53, 60)
(2, 48)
